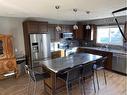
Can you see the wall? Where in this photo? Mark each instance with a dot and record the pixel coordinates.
(51, 21)
(106, 21)
(13, 26)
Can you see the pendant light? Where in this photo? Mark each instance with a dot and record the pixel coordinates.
(88, 26)
(58, 28)
(75, 27)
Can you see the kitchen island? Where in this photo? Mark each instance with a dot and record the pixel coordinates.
(54, 85)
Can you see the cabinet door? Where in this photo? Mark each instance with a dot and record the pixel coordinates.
(3, 47)
(33, 27)
(57, 33)
(9, 47)
(43, 27)
(56, 54)
(51, 31)
(78, 34)
(87, 35)
(125, 29)
(115, 63)
(67, 28)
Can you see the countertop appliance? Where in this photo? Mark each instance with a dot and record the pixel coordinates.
(40, 47)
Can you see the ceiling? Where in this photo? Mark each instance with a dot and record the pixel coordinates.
(46, 9)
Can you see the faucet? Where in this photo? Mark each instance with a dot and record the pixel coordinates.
(107, 46)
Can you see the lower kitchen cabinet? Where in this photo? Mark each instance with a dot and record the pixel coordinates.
(57, 54)
(119, 63)
(108, 62)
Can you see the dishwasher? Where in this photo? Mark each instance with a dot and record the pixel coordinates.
(119, 63)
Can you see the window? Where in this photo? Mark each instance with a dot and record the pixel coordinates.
(109, 35)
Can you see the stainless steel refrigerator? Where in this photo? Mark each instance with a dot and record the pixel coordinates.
(40, 47)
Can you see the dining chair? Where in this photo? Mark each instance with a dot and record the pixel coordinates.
(34, 77)
(88, 72)
(70, 76)
(99, 65)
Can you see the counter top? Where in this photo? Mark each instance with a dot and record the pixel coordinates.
(62, 63)
(107, 50)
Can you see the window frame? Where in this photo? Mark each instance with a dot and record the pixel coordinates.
(100, 44)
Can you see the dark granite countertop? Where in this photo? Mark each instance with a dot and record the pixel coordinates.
(62, 63)
(108, 50)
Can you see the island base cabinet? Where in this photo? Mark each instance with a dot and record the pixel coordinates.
(54, 85)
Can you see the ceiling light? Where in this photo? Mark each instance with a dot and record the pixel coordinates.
(88, 26)
(58, 28)
(75, 27)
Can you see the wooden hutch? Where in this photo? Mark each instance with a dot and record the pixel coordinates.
(7, 57)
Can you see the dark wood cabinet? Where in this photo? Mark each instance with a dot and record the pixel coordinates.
(51, 31)
(78, 34)
(55, 35)
(125, 29)
(32, 27)
(87, 33)
(67, 28)
(90, 35)
(43, 27)
(57, 54)
(35, 26)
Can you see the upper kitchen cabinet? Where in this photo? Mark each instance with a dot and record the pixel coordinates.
(89, 34)
(57, 33)
(32, 27)
(43, 27)
(125, 29)
(35, 26)
(51, 31)
(78, 34)
(67, 28)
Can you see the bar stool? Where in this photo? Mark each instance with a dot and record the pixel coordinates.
(99, 65)
(88, 72)
(35, 77)
(70, 76)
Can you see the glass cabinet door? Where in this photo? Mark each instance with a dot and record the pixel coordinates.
(1, 47)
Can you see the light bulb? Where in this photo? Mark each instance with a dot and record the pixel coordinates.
(58, 28)
(87, 26)
(75, 27)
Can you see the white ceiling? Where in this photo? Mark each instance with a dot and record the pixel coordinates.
(46, 9)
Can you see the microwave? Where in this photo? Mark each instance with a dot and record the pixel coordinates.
(66, 35)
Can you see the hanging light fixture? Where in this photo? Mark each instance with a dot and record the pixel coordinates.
(58, 28)
(75, 27)
(88, 26)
